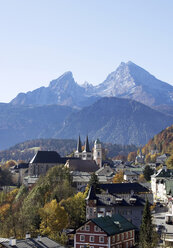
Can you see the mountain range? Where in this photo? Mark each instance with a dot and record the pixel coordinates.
(127, 81)
(115, 120)
(129, 107)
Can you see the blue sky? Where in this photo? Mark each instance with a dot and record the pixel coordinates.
(41, 39)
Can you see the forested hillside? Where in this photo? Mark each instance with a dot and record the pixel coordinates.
(49, 207)
(26, 150)
(163, 142)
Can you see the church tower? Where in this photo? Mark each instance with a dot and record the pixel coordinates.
(78, 152)
(97, 154)
(86, 154)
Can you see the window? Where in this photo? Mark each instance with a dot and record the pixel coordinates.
(91, 238)
(118, 237)
(82, 238)
(131, 234)
(101, 239)
(87, 228)
(82, 228)
(113, 239)
(96, 229)
(122, 236)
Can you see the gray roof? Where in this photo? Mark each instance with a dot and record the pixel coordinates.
(105, 171)
(28, 243)
(82, 165)
(47, 157)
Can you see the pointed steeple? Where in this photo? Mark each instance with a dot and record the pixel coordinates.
(79, 146)
(87, 148)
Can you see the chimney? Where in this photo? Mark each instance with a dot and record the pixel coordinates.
(28, 236)
(39, 238)
(12, 241)
(165, 168)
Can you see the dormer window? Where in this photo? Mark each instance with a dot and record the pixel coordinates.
(118, 200)
(133, 200)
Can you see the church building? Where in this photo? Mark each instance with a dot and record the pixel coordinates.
(87, 154)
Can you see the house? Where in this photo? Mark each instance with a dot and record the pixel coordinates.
(105, 232)
(44, 160)
(127, 199)
(80, 179)
(140, 158)
(162, 159)
(28, 242)
(19, 171)
(158, 185)
(131, 176)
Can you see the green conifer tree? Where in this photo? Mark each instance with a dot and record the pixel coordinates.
(148, 236)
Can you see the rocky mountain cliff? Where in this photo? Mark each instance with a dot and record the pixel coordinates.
(127, 81)
(133, 82)
(62, 91)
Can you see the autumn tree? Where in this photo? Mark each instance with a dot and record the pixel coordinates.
(132, 156)
(53, 219)
(119, 177)
(75, 207)
(169, 162)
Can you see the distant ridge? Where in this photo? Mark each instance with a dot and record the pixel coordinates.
(115, 120)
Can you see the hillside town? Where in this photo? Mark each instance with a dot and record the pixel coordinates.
(115, 194)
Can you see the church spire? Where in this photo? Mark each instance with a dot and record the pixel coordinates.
(79, 146)
(87, 148)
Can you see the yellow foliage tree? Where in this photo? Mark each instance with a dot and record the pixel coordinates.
(53, 219)
(169, 162)
(141, 178)
(132, 156)
(119, 177)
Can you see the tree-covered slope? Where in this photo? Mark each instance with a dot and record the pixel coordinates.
(161, 142)
(116, 120)
(21, 123)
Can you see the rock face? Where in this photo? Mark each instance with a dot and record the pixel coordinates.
(61, 91)
(116, 120)
(128, 81)
(133, 82)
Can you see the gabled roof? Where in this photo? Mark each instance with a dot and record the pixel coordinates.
(46, 157)
(115, 188)
(91, 194)
(105, 171)
(114, 225)
(82, 165)
(164, 173)
(28, 243)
